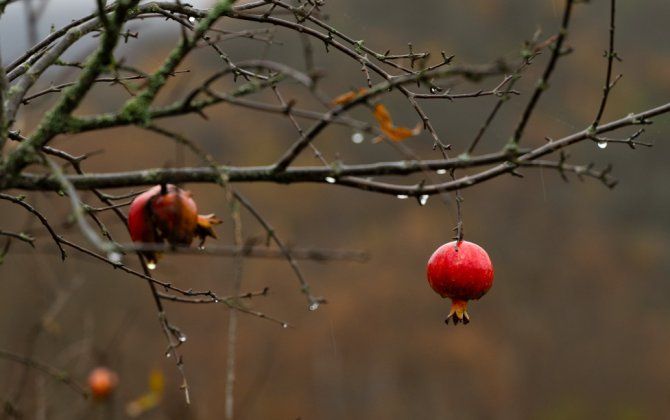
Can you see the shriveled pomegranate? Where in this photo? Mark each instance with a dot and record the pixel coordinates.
(461, 272)
(167, 213)
(102, 382)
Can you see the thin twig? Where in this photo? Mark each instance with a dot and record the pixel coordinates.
(57, 374)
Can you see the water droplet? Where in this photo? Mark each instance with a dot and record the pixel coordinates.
(168, 354)
(201, 247)
(357, 137)
(182, 338)
(191, 19)
(602, 144)
(284, 325)
(441, 171)
(151, 265)
(330, 180)
(435, 89)
(423, 199)
(314, 306)
(114, 257)
(402, 196)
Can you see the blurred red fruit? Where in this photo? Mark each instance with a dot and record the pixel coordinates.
(102, 382)
(167, 213)
(460, 272)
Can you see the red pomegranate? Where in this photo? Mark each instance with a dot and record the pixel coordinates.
(461, 272)
(102, 382)
(166, 213)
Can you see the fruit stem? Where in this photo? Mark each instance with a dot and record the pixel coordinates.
(458, 312)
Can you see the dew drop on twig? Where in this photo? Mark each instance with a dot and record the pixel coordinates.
(423, 199)
(284, 325)
(191, 19)
(357, 137)
(314, 306)
(330, 180)
(114, 257)
(151, 265)
(402, 196)
(441, 171)
(602, 144)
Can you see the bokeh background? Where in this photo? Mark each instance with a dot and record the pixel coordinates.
(576, 326)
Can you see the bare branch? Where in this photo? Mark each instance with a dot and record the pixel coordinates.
(57, 374)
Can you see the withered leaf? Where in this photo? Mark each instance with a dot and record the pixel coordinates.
(390, 130)
(347, 97)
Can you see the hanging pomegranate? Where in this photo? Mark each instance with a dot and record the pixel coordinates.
(167, 213)
(460, 271)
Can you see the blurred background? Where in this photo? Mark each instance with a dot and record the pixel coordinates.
(576, 326)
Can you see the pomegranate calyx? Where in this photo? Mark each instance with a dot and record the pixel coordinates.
(204, 226)
(458, 312)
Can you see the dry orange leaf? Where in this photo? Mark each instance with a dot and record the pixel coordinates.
(345, 98)
(391, 131)
(151, 398)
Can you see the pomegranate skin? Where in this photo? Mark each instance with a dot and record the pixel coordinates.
(102, 382)
(461, 272)
(167, 213)
(140, 222)
(175, 215)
